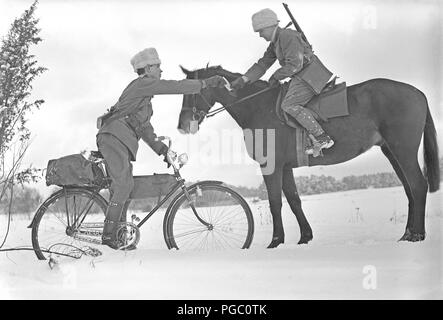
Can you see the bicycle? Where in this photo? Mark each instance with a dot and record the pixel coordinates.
(205, 215)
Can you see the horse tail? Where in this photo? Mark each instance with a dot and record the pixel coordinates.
(430, 154)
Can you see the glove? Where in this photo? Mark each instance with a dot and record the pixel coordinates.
(171, 154)
(238, 83)
(273, 82)
(214, 81)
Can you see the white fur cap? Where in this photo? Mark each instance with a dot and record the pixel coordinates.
(145, 57)
(264, 18)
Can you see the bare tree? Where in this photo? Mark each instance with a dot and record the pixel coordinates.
(18, 69)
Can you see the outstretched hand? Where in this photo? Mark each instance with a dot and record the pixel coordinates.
(273, 82)
(238, 83)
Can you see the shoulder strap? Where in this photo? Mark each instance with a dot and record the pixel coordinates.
(115, 113)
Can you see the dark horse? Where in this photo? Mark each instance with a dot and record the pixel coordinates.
(386, 113)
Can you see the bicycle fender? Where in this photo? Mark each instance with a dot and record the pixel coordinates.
(55, 194)
(201, 183)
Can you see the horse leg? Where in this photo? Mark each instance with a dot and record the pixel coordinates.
(408, 163)
(291, 194)
(273, 184)
(405, 184)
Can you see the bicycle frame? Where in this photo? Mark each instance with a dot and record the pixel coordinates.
(180, 184)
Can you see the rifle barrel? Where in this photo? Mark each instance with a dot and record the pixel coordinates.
(297, 27)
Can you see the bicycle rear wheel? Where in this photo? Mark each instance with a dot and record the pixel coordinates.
(229, 220)
(62, 217)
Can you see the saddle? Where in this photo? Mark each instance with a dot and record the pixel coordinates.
(329, 103)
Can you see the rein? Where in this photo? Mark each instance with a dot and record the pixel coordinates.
(199, 114)
(218, 110)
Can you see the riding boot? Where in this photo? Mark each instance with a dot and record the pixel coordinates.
(112, 222)
(318, 136)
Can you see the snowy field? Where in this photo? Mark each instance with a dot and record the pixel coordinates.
(354, 255)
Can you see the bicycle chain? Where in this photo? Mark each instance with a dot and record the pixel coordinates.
(85, 233)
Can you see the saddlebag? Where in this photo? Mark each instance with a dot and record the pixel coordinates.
(152, 186)
(74, 170)
(315, 74)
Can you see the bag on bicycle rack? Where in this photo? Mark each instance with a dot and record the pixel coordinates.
(152, 186)
(74, 170)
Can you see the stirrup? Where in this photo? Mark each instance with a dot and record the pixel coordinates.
(316, 148)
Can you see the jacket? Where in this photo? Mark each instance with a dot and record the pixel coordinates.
(135, 104)
(289, 49)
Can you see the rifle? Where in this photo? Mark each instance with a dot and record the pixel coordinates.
(297, 27)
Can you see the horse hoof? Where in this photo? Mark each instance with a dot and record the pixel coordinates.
(413, 237)
(406, 235)
(304, 239)
(275, 242)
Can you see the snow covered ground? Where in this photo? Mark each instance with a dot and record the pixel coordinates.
(354, 255)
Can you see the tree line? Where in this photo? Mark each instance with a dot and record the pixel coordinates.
(27, 199)
(317, 184)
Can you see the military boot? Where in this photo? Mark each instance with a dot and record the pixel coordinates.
(112, 223)
(123, 220)
(320, 140)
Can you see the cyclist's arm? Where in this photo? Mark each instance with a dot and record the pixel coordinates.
(147, 134)
(150, 87)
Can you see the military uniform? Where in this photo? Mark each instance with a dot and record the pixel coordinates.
(126, 123)
(293, 53)
(118, 138)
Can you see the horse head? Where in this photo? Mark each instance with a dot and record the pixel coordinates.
(195, 107)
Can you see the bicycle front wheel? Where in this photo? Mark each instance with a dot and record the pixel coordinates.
(67, 222)
(214, 217)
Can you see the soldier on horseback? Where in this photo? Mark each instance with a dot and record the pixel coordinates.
(293, 54)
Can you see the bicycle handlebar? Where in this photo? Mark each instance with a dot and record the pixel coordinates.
(168, 158)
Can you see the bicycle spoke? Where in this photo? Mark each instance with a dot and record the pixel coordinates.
(184, 234)
(76, 206)
(230, 220)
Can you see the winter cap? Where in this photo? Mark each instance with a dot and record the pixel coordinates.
(145, 57)
(264, 18)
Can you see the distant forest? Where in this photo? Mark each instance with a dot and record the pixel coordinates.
(314, 184)
(27, 199)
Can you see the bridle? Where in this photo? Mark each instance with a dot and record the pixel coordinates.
(198, 115)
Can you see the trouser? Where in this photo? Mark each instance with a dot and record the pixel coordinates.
(119, 167)
(297, 96)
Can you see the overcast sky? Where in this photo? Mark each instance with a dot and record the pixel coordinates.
(88, 44)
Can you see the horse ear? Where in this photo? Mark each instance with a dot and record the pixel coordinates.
(185, 71)
(207, 65)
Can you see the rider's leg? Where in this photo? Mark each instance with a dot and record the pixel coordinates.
(123, 220)
(112, 222)
(119, 167)
(297, 96)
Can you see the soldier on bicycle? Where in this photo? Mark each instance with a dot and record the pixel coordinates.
(127, 122)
